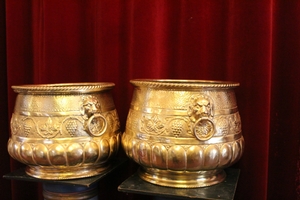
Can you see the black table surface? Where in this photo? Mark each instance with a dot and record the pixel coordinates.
(224, 190)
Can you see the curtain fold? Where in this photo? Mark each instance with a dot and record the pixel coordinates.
(4, 125)
(285, 98)
(256, 43)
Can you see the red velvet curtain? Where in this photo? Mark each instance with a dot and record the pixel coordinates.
(256, 43)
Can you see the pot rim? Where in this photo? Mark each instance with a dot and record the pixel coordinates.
(80, 87)
(183, 83)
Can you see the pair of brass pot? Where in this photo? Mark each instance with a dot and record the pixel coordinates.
(182, 133)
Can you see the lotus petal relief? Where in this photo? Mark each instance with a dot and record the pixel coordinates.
(64, 131)
(183, 133)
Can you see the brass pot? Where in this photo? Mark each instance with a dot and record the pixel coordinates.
(64, 131)
(183, 133)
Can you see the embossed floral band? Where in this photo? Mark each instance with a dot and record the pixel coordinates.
(183, 132)
(64, 131)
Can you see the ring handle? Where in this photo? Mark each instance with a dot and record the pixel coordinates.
(204, 129)
(96, 125)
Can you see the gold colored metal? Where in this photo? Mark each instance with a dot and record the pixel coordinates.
(64, 131)
(82, 195)
(183, 133)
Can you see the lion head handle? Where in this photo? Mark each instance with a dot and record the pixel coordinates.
(95, 123)
(201, 113)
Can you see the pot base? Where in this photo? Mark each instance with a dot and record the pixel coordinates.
(182, 179)
(65, 172)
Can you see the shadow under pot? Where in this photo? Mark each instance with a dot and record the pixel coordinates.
(64, 131)
(183, 133)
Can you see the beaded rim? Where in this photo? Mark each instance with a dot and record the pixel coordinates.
(63, 87)
(180, 83)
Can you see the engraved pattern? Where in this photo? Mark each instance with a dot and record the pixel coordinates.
(28, 125)
(97, 125)
(182, 100)
(223, 126)
(58, 127)
(184, 84)
(58, 104)
(15, 126)
(113, 121)
(204, 129)
(177, 127)
(152, 124)
(235, 123)
(157, 99)
(174, 126)
(183, 126)
(63, 88)
(71, 127)
(49, 129)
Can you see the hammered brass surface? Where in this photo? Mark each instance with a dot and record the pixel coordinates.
(64, 131)
(178, 129)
